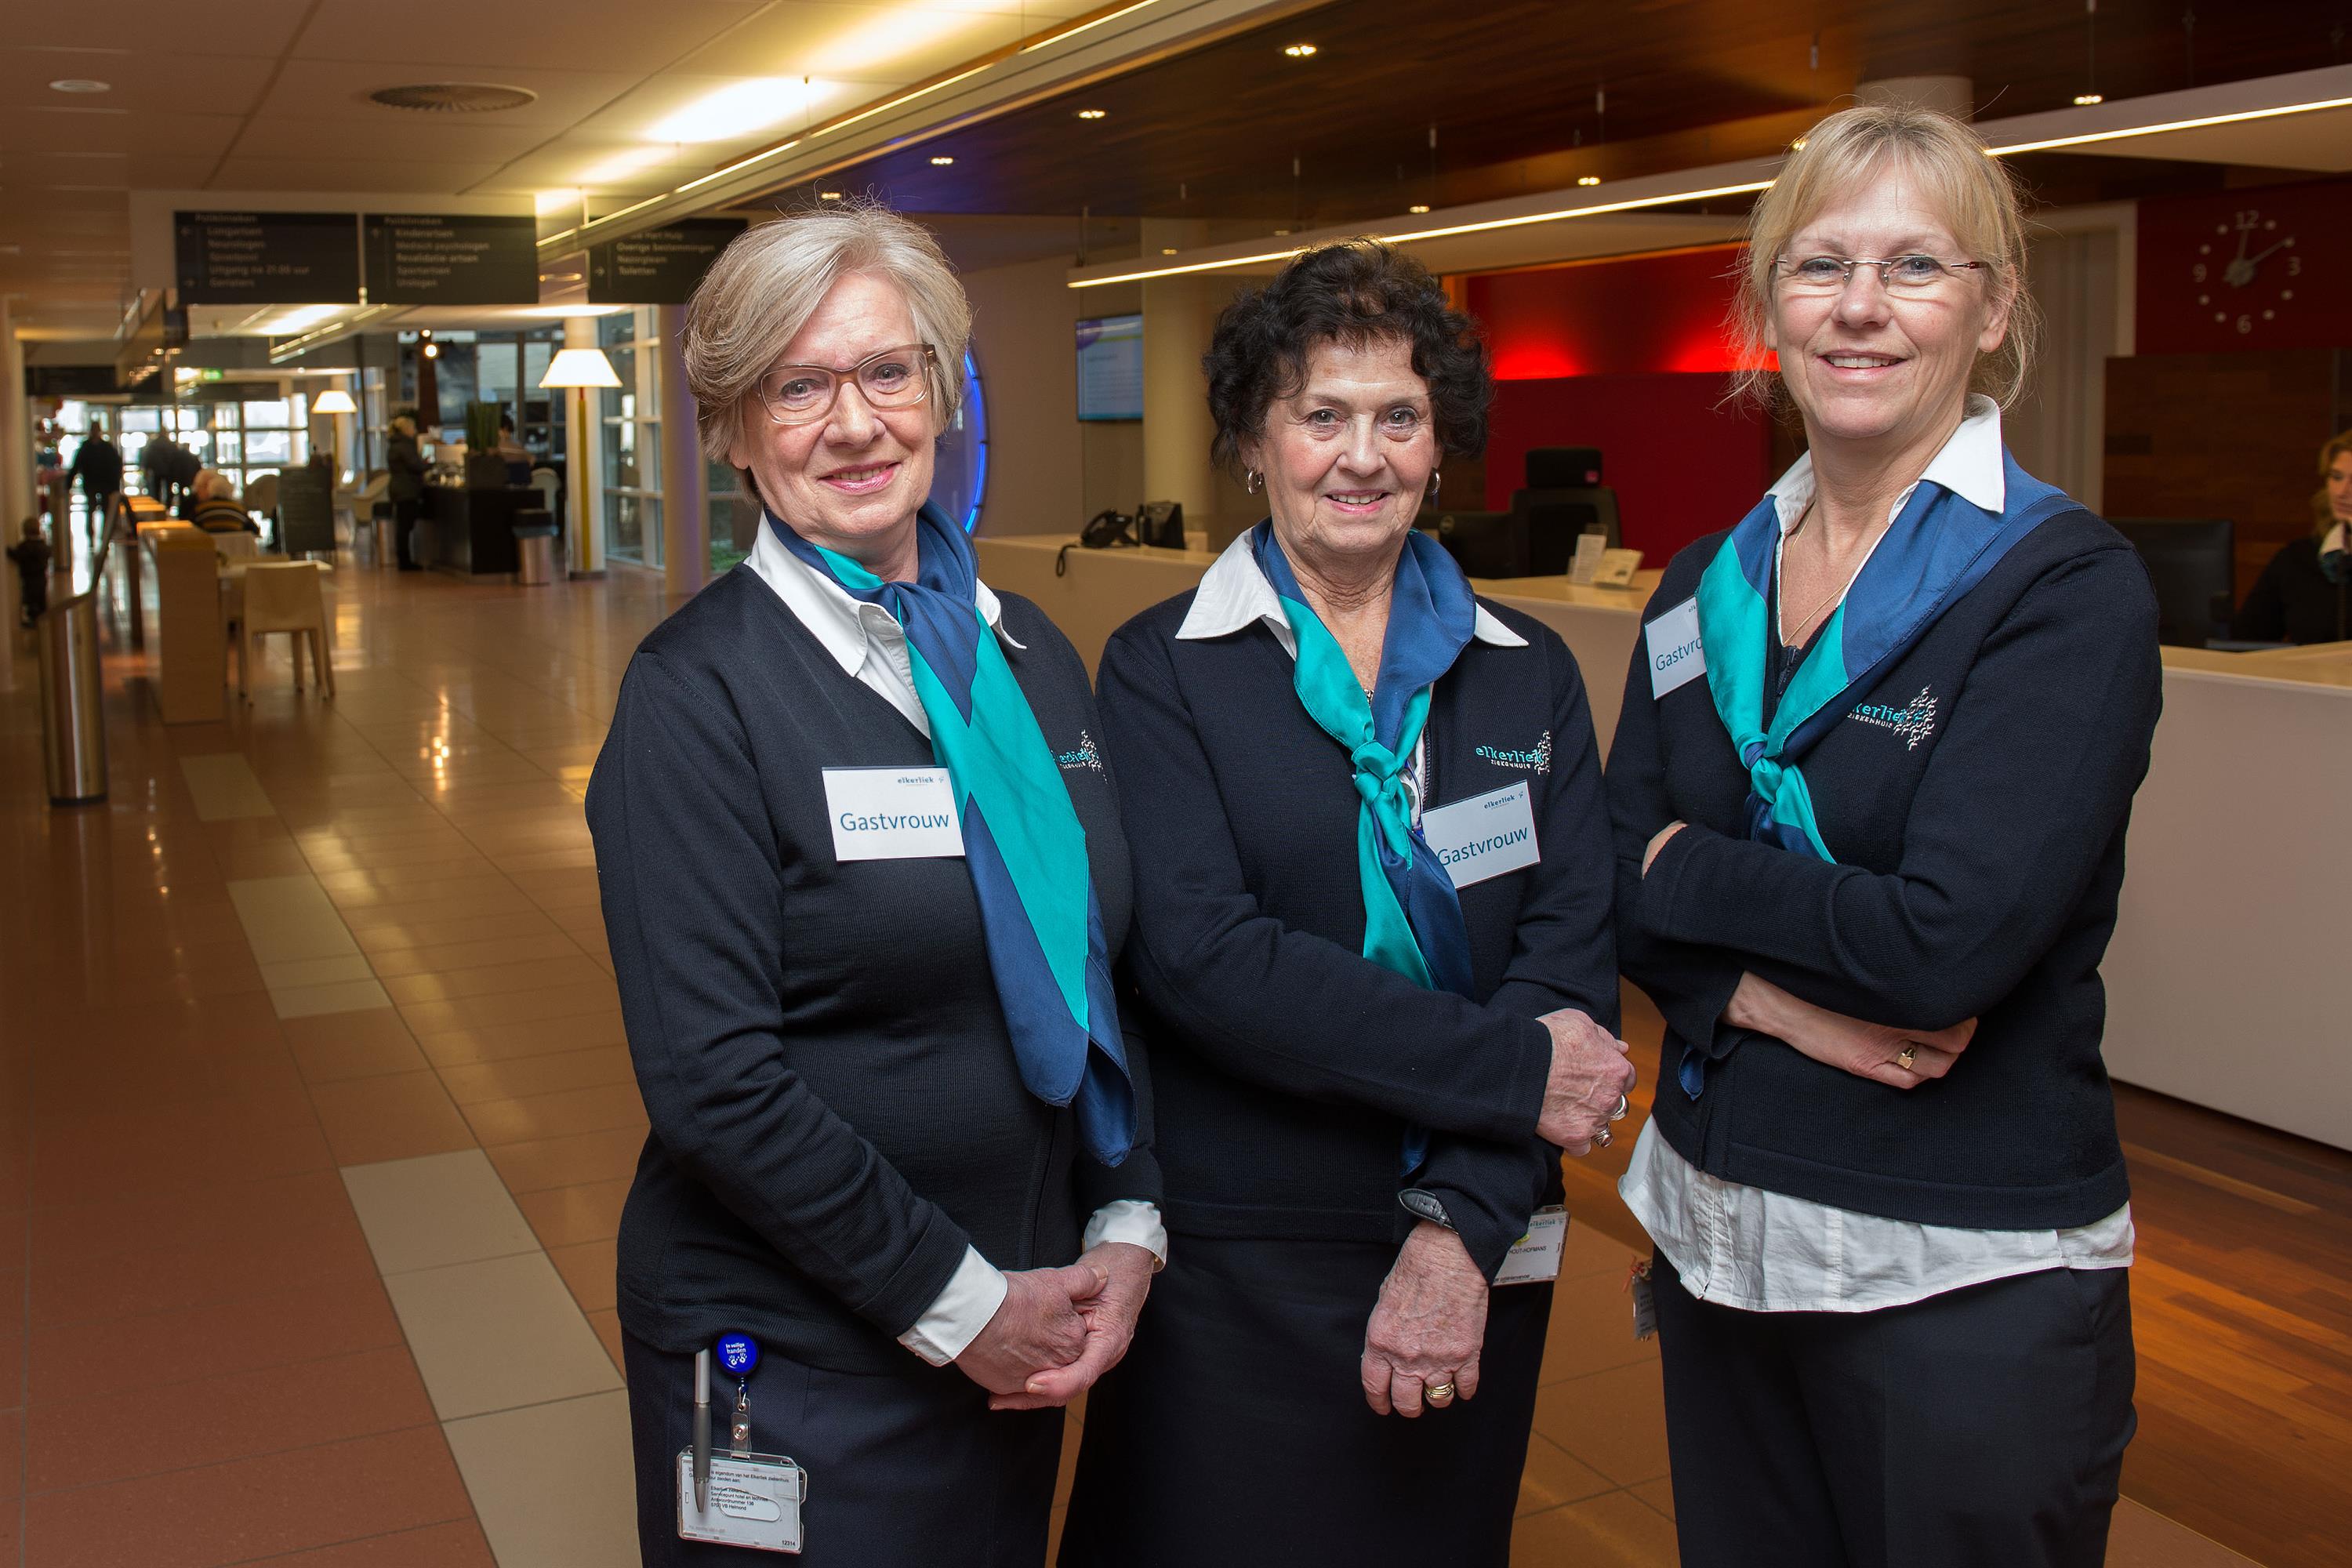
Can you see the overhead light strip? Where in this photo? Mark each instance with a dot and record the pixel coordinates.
(900, 101)
(1445, 232)
(2199, 123)
(2010, 150)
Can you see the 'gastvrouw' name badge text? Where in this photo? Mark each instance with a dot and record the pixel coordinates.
(891, 814)
(1484, 836)
(1671, 643)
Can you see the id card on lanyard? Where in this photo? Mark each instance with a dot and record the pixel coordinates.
(738, 1497)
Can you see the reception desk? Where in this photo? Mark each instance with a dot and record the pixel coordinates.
(2225, 980)
(1101, 590)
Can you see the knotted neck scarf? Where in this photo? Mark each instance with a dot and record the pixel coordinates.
(1022, 840)
(1413, 917)
(1939, 546)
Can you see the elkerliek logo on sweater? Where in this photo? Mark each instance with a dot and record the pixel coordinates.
(1538, 759)
(1913, 724)
(1086, 756)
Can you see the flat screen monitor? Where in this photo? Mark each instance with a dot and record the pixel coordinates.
(1110, 368)
(2192, 564)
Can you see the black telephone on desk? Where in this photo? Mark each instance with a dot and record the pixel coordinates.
(1155, 522)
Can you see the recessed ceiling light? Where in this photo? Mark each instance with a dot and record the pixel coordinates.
(1588, 179)
(1418, 207)
(1092, 113)
(2084, 99)
(559, 277)
(941, 161)
(1298, 51)
(828, 196)
(79, 84)
(1281, 231)
(1167, 250)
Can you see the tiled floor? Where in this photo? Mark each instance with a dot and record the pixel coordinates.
(316, 1118)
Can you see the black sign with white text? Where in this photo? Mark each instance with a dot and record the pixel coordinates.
(451, 259)
(267, 258)
(658, 266)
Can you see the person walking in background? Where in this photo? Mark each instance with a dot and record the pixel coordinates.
(97, 464)
(405, 467)
(30, 555)
(1869, 788)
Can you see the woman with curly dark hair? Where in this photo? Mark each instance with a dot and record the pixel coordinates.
(1372, 948)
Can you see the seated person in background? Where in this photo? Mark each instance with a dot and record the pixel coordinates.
(218, 510)
(31, 555)
(2304, 594)
(516, 456)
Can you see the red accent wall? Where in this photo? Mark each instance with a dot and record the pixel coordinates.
(1682, 462)
(1630, 356)
(2300, 293)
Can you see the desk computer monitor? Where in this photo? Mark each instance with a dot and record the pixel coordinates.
(2192, 561)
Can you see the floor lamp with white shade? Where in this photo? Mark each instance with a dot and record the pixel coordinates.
(580, 368)
(334, 401)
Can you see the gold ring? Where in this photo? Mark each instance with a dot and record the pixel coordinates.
(1438, 1393)
(1905, 1056)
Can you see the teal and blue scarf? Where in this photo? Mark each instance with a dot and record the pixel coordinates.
(1937, 548)
(1413, 917)
(1022, 839)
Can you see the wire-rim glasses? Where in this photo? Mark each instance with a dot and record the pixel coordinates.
(896, 377)
(1915, 272)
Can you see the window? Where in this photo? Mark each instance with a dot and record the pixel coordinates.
(631, 416)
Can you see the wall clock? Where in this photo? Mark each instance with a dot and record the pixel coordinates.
(2246, 272)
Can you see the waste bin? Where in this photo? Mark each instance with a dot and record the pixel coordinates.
(73, 722)
(386, 549)
(534, 536)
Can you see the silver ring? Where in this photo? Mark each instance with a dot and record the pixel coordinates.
(1619, 1115)
(1602, 1140)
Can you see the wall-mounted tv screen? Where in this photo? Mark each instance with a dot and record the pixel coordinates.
(1110, 368)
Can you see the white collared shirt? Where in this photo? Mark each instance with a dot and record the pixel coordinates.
(870, 646)
(1761, 1251)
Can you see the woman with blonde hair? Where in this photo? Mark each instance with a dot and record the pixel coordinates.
(2304, 594)
(865, 882)
(1877, 754)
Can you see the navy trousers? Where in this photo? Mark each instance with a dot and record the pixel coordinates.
(903, 1469)
(1981, 1428)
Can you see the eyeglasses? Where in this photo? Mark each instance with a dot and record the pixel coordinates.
(1913, 274)
(888, 378)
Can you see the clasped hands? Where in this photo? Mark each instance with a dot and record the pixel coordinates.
(1058, 1329)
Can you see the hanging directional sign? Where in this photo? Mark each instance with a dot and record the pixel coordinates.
(451, 259)
(267, 258)
(658, 266)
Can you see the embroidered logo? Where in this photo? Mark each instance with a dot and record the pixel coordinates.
(1086, 756)
(1913, 724)
(1538, 760)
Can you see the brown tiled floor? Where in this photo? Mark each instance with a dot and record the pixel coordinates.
(201, 1363)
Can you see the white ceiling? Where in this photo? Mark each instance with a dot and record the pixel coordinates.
(270, 96)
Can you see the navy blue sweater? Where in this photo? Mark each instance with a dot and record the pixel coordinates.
(835, 1106)
(1285, 1065)
(1976, 800)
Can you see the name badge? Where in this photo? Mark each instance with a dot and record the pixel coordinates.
(1535, 1256)
(1484, 836)
(1672, 646)
(754, 1501)
(891, 814)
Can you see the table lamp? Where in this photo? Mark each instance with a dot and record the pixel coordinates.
(334, 400)
(580, 369)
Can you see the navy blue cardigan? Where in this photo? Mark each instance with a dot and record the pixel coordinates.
(1976, 800)
(1285, 1065)
(835, 1105)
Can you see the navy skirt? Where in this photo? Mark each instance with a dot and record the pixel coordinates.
(1235, 1433)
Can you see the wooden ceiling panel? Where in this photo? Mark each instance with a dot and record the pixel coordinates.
(1214, 132)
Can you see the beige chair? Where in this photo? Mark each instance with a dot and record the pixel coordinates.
(285, 596)
(236, 546)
